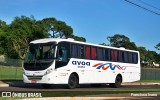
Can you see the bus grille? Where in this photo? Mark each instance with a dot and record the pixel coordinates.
(34, 77)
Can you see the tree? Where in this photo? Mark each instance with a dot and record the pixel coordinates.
(157, 46)
(143, 52)
(104, 44)
(55, 28)
(118, 40)
(2, 26)
(77, 38)
(5, 43)
(130, 45)
(24, 29)
(121, 41)
(151, 56)
(20, 32)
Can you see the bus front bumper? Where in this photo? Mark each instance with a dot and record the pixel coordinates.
(46, 79)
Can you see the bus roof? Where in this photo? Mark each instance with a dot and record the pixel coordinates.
(46, 40)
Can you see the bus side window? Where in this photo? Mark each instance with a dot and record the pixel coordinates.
(100, 54)
(107, 55)
(74, 51)
(120, 56)
(62, 54)
(88, 52)
(93, 52)
(63, 51)
(81, 51)
(126, 57)
(114, 55)
(130, 57)
(134, 58)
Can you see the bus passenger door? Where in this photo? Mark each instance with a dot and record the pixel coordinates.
(62, 56)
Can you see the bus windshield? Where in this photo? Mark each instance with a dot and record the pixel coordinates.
(39, 56)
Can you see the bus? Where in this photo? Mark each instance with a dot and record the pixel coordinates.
(66, 61)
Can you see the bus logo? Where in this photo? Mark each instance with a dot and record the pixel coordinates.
(81, 63)
(105, 66)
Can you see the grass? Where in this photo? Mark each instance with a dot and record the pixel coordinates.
(15, 73)
(83, 93)
(149, 81)
(10, 73)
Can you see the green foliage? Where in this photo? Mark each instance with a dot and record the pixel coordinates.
(55, 28)
(104, 44)
(24, 29)
(77, 38)
(130, 45)
(119, 40)
(157, 46)
(143, 52)
(2, 36)
(122, 41)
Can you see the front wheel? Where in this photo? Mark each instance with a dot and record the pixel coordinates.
(117, 83)
(72, 81)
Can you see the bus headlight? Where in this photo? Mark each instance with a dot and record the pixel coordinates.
(48, 71)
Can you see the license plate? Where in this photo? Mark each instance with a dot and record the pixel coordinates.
(33, 81)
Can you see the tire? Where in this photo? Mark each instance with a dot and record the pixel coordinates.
(117, 83)
(73, 81)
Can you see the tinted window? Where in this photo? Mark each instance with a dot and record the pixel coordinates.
(81, 51)
(74, 51)
(107, 54)
(62, 56)
(97, 53)
(88, 52)
(135, 58)
(100, 54)
(114, 55)
(125, 57)
(130, 57)
(93, 52)
(120, 56)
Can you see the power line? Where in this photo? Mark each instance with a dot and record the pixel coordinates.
(148, 4)
(142, 7)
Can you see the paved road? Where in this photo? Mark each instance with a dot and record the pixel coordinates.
(19, 86)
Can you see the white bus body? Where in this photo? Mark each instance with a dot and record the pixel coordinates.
(71, 62)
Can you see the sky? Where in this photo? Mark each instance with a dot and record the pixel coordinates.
(95, 19)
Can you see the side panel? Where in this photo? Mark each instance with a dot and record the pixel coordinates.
(89, 71)
(92, 71)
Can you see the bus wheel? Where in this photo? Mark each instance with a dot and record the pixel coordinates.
(73, 81)
(117, 83)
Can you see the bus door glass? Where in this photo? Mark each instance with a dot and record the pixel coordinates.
(62, 56)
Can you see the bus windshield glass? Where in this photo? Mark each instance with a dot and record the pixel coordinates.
(39, 56)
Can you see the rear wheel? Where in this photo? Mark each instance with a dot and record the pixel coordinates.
(73, 81)
(117, 83)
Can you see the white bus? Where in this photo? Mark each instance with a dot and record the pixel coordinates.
(66, 61)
